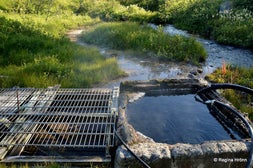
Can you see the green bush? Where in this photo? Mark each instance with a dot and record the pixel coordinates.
(114, 11)
(244, 4)
(235, 28)
(130, 35)
(195, 16)
(150, 5)
(232, 26)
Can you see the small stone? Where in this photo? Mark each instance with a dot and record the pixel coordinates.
(135, 96)
(186, 150)
(199, 70)
(191, 76)
(194, 72)
(210, 148)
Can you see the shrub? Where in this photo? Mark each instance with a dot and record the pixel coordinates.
(235, 28)
(244, 4)
(231, 25)
(114, 11)
(196, 16)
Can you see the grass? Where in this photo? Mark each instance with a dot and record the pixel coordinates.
(34, 50)
(142, 38)
(87, 67)
(36, 53)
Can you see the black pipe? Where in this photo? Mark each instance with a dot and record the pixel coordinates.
(142, 162)
(226, 86)
(247, 124)
(212, 102)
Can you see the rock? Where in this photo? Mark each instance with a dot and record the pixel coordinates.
(190, 75)
(182, 150)
(200, 70)
(144, 137)
(210, 148)
(194, 72)
(208, 154)
(237, 146)
(135, 96)
(203, 82)
(154, 154)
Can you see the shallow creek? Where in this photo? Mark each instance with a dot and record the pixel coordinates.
(139, 68)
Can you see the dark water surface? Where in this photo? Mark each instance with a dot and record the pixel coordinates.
(175, 119)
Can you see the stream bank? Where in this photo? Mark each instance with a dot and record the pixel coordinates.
(139, 67)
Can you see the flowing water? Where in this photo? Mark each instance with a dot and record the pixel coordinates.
(217, 53)
(139, 68)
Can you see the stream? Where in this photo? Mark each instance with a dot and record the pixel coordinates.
(139, 68)
(217, 53)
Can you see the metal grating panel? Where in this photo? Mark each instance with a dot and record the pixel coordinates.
(57, 117)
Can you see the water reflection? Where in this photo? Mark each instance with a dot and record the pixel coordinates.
(175, 119)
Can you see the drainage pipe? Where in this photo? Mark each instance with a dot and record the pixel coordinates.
(212, 102)
(142, 162)
(247, 124)
(226, 86)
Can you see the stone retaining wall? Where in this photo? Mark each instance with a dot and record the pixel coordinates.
(215, 154)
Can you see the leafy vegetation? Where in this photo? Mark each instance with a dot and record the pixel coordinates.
(130, 35)
(242, 76)
(114, 11)
(36, 53)
(34, 50)
(146, 4)
(228, 22)
(235, 28)
(243, 4)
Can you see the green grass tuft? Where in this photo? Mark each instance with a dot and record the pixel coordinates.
(131, 35)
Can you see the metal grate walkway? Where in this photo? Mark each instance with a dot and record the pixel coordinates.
(55, 117)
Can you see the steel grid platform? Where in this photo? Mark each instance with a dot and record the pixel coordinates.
(56, 119)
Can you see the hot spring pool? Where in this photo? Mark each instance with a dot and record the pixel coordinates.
(175, 119)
